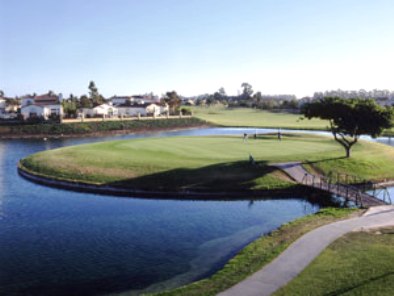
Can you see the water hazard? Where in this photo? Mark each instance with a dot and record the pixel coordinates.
(55, 242)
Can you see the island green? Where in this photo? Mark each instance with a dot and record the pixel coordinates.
(207, 164)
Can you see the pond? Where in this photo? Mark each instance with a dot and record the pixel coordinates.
(55, 242)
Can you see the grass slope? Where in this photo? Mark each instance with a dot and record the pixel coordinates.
(248, 117)
(211, 164)
(356, 264)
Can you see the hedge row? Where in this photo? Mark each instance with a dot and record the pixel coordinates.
(100, 126)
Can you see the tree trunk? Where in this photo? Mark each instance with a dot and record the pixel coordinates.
(347, 151)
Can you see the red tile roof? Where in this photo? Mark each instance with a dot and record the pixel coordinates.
(46, 100)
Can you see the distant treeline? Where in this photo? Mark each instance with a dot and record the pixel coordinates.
(377, 94)
(248, 98)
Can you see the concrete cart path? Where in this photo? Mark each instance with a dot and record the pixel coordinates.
(300, 253)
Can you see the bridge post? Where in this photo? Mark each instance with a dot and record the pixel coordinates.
(305, 179)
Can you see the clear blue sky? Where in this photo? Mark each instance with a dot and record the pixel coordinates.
(195, 46)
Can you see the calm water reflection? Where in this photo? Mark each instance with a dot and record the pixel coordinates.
(55, 242)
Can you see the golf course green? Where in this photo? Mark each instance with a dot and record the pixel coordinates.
(207, 164)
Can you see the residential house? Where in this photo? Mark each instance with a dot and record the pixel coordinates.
(139, 109)
(2, 105)
(164, 109)
(120, 100)
(11, 105)
(133, 100)
(8, 108)
(103, 110)
(44, 106)
(27, 100)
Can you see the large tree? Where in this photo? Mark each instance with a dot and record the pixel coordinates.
(173, 100)
(85, 102)
(350, 118)
(247, 90)
(94, 95)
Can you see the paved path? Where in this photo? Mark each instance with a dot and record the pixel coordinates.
(299, 254)
(296, 171)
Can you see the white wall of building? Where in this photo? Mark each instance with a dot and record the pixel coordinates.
(27, 101)
(41, 111)
(131, 111)
(2, 105)
(100, 111)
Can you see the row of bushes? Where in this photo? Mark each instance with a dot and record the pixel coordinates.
(100, 126)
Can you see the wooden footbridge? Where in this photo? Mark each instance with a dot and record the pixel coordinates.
(351, 193)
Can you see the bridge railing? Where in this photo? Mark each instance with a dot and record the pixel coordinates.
(325, 183)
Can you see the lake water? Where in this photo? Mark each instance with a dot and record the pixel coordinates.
(56, 242)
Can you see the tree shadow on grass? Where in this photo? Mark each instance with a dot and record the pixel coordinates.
(361, 284)
(229, 177)
(225, 181)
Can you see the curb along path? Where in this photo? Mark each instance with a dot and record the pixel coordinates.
(299, 254)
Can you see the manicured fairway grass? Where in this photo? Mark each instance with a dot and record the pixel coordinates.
(207, 164)
(248, 117)
(357, 264)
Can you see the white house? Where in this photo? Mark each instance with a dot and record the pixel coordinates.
(104, 110)
(139, 109)
(133, 100)
(164, 109)
(2, 105)
(120, 100)
(27, 100)
(43, 106)
(8, 106)
(45, 112)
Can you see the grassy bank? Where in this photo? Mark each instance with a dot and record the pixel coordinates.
(369, 161)
(207, 164)
(259, 253)
(359, 263)
(82, 128)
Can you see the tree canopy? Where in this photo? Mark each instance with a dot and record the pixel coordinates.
(94, 94)
(173, 100)
(247, 90)
(350, 118)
